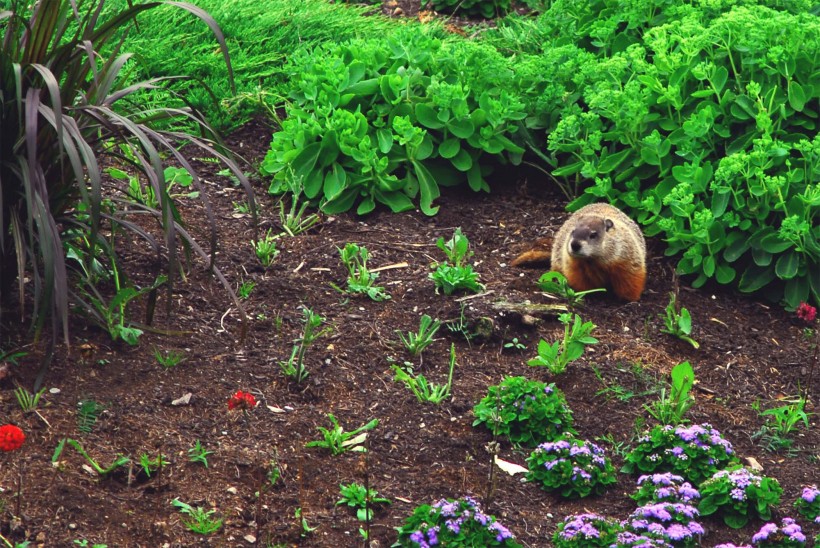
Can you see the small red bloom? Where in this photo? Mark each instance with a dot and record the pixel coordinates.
(11, 437)
(242, 400)
(806, 312)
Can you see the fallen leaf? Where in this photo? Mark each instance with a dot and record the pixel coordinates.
(510, 467)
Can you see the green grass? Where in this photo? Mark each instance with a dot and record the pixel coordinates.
(259, 35)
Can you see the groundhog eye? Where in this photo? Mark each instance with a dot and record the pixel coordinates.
(593, 235)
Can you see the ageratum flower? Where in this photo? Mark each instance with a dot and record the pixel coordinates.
(11, 437)
(788, 534)
(809, 503)
(571, 466)
(458, 522)
(673, 522)
(586, 530)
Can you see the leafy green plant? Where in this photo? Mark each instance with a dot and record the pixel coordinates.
(119, 461)
(424, 390)
(556, 283)
(87, 413)
(199, 454)
(361, 499)
(294, 221)
(360, 279)
(781, 422)
(484, 8)
(695, 452)
(461, 325)
(265, 248)
(144, 194)
(168, 358)
(294, 368)
(415, 343)
(198, 519)
(556, 356)
(303, 522)
(524, 411)
(150, 465)
(427, 525)
(337, 440)
(678, 324)
(738, 495)
(573, 467)
(245, 289)
(682, 115)
(26, 400)
(515, 344)
(808, 504)
(66, 105)
(389, 120)
(671, 409)
(456, 274)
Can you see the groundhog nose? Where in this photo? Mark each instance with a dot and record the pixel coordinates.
(575, 245)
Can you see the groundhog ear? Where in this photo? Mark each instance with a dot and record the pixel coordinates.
(608, 224)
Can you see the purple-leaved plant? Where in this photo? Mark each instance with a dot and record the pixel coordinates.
(787, 535)
(665, 487)
(571, 466)
(739, 494)
(694, 452)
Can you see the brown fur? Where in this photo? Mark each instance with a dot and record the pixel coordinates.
(598, 246)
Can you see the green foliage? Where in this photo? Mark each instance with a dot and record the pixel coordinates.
(361, 499)
(456, 274)
(739, 495)
(360, 279)
(265, 248)
(119, 461)
(295, 220)
(483, 8)
(245, 289)
(678, 324)
(150, 465)
(587, 531)
(671, 409)
(573, 467)
(426, 391)
(389, 120)
(294, 368)
(808, 504)
(700, 120)
(198, 519)
(556, 283)
(199, 454)
(429, 522)
(694, 452)
(338, 441)
(168, 358)
(415, 343)
(556, 356)
(87, 412)
(26, 400)
(524, 411)
(64, 105)
(781, 423)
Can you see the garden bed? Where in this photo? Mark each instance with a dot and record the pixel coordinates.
(750, 353)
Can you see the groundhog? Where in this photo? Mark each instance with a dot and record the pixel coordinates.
(598, 246)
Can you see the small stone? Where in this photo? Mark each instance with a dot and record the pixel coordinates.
(232, 490)
(250, 539)
(53, 390)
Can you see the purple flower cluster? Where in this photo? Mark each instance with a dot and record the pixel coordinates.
(456, 514)
(809, 504)
(628, 539)
(704, 437)
(586, 530)
(740, 478)
(577, 467)
(788, 534)
(673, 521)
(666, 487)
(730, 545)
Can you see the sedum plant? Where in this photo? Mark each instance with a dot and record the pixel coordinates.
(65, 103)
(449, 522)
(524, 411)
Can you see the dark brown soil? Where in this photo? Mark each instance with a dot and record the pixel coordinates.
(750, 353)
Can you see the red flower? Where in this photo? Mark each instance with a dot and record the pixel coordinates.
(806, 312)
(242, 400)
(11, 437)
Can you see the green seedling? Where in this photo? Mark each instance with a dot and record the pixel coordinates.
(338, 441)
(415, 343)
(245, 289)
(294, 221)
(199, 454)
(168, 359)
(678, 324)
(670, 409)
(199, 520)
(265, 249)
(294, 368)
(26, 400)
(150, 465)
(360, 280)
(119, 461)
(556, 356)
(557, 284)
(426, 391)
(781, 423)
(361, 499)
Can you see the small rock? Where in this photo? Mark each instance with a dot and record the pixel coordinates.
(232, 490)
(53, 390)
(250, 539)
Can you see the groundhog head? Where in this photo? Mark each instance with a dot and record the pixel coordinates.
(587, 238)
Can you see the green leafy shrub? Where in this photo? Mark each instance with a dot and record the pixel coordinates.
(484, 8)
(453, 523)
(700, 121)
(524, 411)
(63, 106)
(695, 452)
(389, 120)
(739, 495)
(574, 468)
